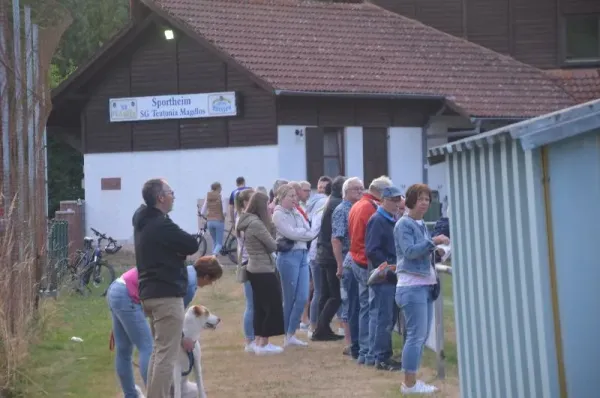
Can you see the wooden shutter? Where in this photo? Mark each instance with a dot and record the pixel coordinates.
(314, 154)
(375, 153)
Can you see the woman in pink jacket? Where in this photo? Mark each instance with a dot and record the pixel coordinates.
(130, 327)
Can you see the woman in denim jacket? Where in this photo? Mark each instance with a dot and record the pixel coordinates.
(416, 282)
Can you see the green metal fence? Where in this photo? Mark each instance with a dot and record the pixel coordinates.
(57, 259)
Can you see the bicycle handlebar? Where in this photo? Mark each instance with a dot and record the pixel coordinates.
(112, 246)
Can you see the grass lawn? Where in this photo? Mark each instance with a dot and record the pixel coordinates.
(58, 367)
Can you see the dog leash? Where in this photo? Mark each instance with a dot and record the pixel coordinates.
(191, 358)
(111, 346)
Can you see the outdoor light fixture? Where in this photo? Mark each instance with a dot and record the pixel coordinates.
(169, 35)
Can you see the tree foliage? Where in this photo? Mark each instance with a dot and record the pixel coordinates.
(94, 22)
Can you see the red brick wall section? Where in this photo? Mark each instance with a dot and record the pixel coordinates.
(73, 211)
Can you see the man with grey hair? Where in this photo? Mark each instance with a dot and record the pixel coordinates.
(358, 218)
(340, 241)
(305, 191)
(160, 251)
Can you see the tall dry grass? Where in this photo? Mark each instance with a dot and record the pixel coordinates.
(18, 297)
(24, 109)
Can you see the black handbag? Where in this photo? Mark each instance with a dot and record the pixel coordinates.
(437, 288)
(284, 245)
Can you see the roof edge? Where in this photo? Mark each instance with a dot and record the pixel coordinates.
(532, 133)
(558, 125)
(297, 93)
(351, 94)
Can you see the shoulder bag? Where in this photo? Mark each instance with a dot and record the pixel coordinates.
(241, 274)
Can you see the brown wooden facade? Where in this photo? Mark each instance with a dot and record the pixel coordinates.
(531, 31)
(156, 66)
(150, 65)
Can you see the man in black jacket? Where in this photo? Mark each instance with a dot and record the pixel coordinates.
(330, 299)
(160, 251)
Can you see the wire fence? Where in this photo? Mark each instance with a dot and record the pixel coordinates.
(29, 36)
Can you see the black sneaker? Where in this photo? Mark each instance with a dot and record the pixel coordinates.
(326, 337)
(389, 365)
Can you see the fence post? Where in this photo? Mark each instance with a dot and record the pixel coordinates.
(5, 112)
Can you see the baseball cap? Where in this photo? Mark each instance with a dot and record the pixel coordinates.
(391, 192)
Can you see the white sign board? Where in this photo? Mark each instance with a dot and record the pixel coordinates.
(179, 106)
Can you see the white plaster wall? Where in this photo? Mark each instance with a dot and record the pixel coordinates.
(405, 156)
(436, 174)
(353, 152)
(189, 172)
(292, 153)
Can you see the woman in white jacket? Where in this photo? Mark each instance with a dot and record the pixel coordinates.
(293, 232)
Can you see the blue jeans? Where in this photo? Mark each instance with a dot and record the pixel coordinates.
(130, 329)
(362, 275)
(417, 306)
(350, 312)
(249, 312)
(314, 304)
(216, 229)
(381, 320)
(294, 273)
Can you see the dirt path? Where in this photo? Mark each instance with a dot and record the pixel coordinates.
(317, 371)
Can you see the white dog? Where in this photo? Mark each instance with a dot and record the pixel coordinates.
(196, 318)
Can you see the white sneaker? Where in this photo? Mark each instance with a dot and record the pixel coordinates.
(303, 326)
(274, 349)
(269, 349)
(250, 347)
(140, 394)
(419, 388)
(341, 332)
(294, 341)
(309, 333)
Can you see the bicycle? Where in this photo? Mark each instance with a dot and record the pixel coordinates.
(229, 248)
(89, 265)
(202, 245)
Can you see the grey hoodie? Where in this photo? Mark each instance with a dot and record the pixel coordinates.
(312, 203)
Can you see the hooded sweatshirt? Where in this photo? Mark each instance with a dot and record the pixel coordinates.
(258, 243)
(160, 251)
(314, 203)
(316, 216)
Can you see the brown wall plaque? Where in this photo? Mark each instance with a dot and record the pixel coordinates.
(110, 184)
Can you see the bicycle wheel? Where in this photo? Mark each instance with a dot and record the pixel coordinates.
(103, 276)
(202, 245)
(231, 249)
